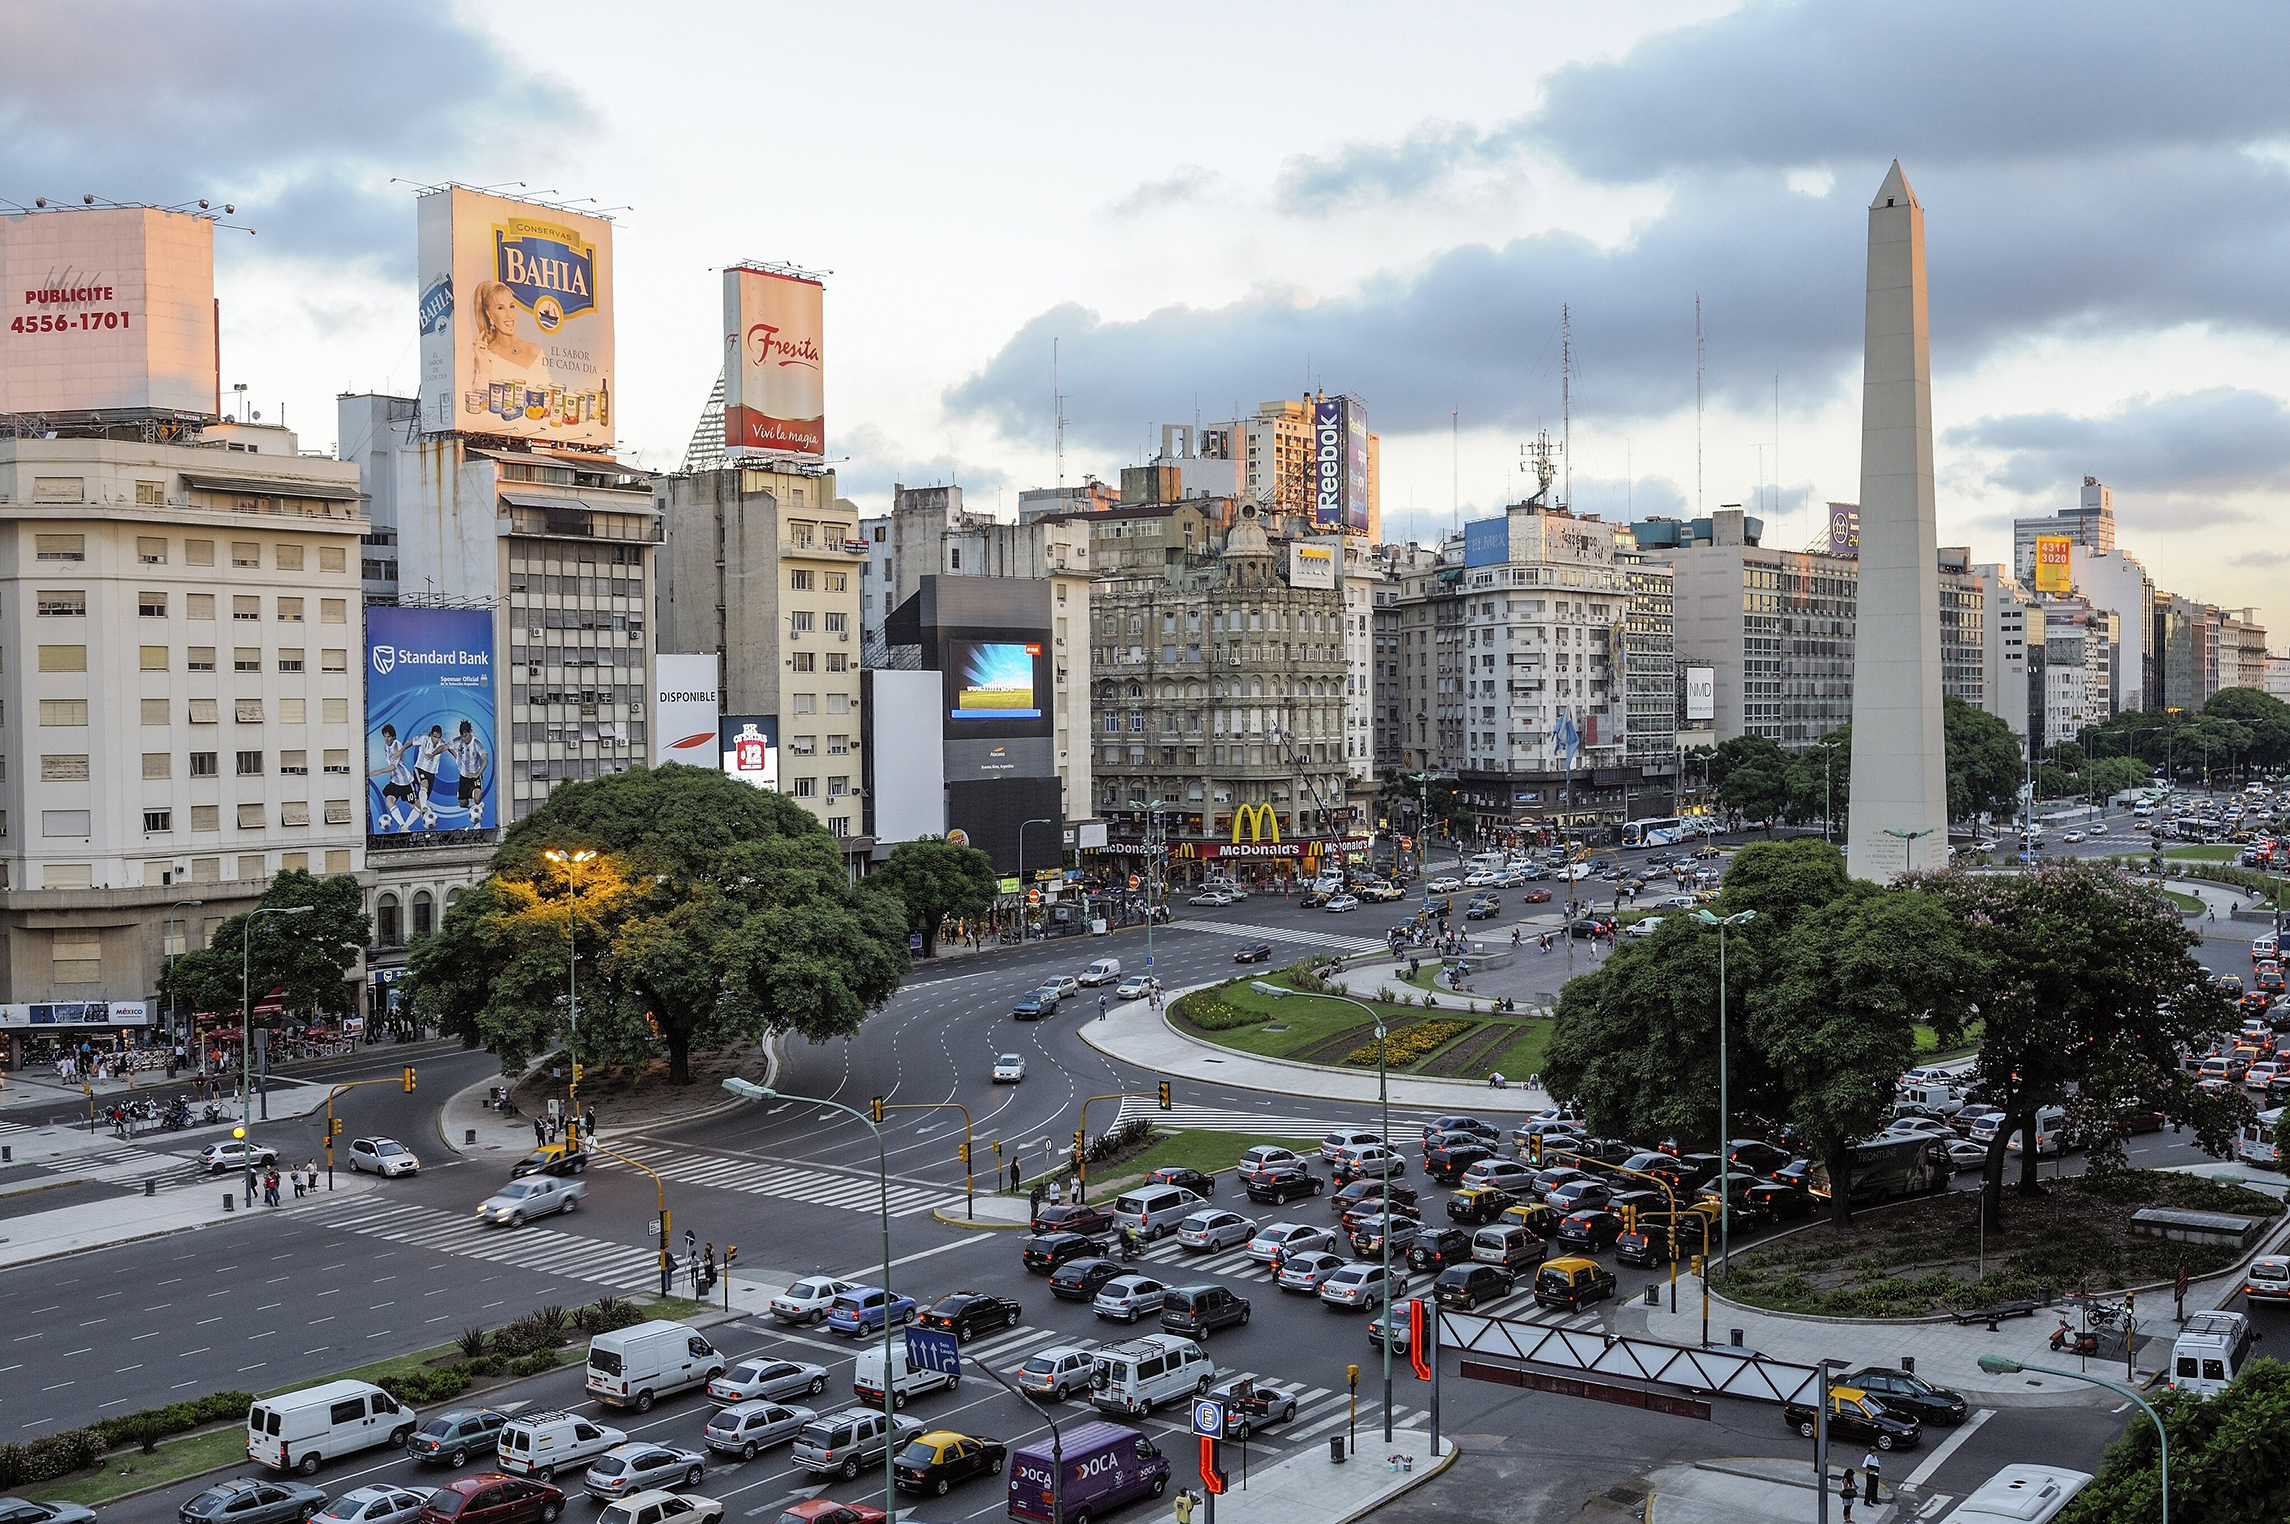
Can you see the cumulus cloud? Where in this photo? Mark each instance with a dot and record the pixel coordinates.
(876, 463)
(1189, 183)
(298, 114)
(2197, 443)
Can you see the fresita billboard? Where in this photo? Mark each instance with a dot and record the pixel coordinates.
(775, 388)
(516, 319)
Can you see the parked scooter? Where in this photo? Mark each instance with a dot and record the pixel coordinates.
(2073, 1342)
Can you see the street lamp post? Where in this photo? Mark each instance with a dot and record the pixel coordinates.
(569, 861)
(1828, 754)
(749, 1090)
(1022, 885)
(1907, 840)
(175, 1015)
(246, 1011)
(2001, 1365)
(1156, 837)
(1725, 1148)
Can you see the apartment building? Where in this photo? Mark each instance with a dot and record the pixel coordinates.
(1963, 628)
(2005, 651)
(181, 649)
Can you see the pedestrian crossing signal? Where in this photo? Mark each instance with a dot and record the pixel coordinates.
(876, 1106)
(731, 1252)
(409, 1079)
(1165, 1095)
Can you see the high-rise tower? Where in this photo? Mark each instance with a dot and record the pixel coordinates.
(1900, 772)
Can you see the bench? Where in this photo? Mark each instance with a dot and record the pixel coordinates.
(2020, 1309)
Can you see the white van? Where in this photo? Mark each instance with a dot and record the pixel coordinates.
(630, 1367)
(867, 1380)
(1153, 1210)
(2021, 1494)
(1929, 1101)
(1103, 971)
(299, 1430)
(2051, 1128)
(1139, 1376)
(2210, 1352)
(541, 1444)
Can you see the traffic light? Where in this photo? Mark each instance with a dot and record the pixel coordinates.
(336, 1129)
(962, 1152)
(409, 1079)
(1629, 1217)
(1535, 1150)
(875, 1106)
(1165, 1095)
(576, 1073)
(997, 1150)
(1077, 1140)
(731, 1252)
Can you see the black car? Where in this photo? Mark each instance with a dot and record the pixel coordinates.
(1752, 1156)
(1198, 1311)
(1857, 1419)
(1079, 1280)
(1450, 1122)
(1604, 1150)
(253, 1500)
(1438, 1248)
(1482, 910)
(1589, 1232)
(1910, 1396)
(1254, 952)
(1185, 1179)
(450, 1438)
(1047, 1251)
(1466, 1286)
(1647, 1247)
(967, 1313)
(1644, 1200)
(1362, 1196)
(935, 1462)
(1776, 1201)
(1446, 1162)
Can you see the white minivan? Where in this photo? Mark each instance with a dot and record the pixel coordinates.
(1153, 1210)
(2210, 1352)
(631, 1367)
(300, 1430)
(909, 1380)
(2021, 1494)
(1103, 971)
(1137, 1377)
(2051, 1132)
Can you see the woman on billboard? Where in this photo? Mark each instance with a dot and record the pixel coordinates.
(499, 353)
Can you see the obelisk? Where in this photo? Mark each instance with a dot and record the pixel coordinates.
(1899, 818)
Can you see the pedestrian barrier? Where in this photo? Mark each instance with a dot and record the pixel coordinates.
(1721, 1370)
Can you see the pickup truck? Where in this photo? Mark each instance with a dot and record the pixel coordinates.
(1249, 1406)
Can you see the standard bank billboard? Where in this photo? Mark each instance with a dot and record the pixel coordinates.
(430, 736)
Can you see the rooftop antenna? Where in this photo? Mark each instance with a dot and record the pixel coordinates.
(1698, 406)
(1057, 415)
(1455, 463)
(1566, 397)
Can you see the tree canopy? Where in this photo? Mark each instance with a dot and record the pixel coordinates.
(712, 913)
(935, 878)
(2226, 1465)
(1986, 766)
(1752, 778)
(307, 958)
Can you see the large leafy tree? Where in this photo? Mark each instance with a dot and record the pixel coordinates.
(2226, 1465)
(2087, 982)
(712, 913)
(935, 878)
(1985, 766)
(1753, 778)
(306, 958)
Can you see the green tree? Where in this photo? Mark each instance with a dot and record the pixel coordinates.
(1835, 1011)
(2266, 717)
(1753, 778)
(1781, 880)
(2226, 1463)
(2110, 776)
(2085, 975)
(1986, 765)
(713, 914)
(307, 958)
(935, 878)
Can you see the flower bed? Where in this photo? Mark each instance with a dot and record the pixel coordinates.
(1408, 1044)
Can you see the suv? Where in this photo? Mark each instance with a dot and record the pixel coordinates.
(539, 1444)
(1136, 1377)
(1198, 1311)
(1437, 1248)
(1464, 1287)
(844, 1444)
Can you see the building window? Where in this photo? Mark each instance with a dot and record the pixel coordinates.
(289, 660)
(294, 764)
(155, 712)
(386, 921)
(838, 624)
(198, 605)
(248, 711)
(334, 711)
(295, 812)
(246, 554)
(333, 659)
(63, 658)
(800, 622)
(838, 746)
(204, 764)
(840, 825)
(337, 760)
(204, 711)
(66, 823)
(338, 859)
(291, 711)
(63, 767)
(290, 558)
(803, 661)
(156, 822)
(75, 958)
(250, 764)
(838, 661)
(199, 552)
(245, 606)
(246, 658)
(149, 605)
(337, 812)
(158, 764)
(806, 788)
(290, 610)
(332, 558)
(838, 785)
(799, 582)
(424, 908)
(806, 703)
(838, 703)
(57, 547)
(205, 817)
(63, 711)
(250, 819)
(332, 611)
(151, 550)
(835, 582)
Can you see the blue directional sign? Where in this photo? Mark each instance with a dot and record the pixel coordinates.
(1208, 1418)
(928, 1349)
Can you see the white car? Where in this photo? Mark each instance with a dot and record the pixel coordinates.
(2098, 828)
(1066, 985)
(763, 1376)
(1480, 880)
(1210, 897)
(1442, 885)
(1009, 1069)
(233, 1154)
(520, 1201)
(1215, 1229)
(1922, 1127)
(1288, 1238)
(1136, 987)
(384, 1156)
(807, 1301)
(1343, 902)
(1644, 928)
(2073, 837)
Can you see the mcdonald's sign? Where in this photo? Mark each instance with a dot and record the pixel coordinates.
(1258, 816)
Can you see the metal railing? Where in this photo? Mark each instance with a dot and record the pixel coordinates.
(1723, 1369)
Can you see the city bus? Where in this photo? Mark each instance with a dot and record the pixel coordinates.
(1882, 1168)
(1666, 831)
(2257, 1143)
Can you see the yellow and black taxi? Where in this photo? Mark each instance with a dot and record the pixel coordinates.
(1536, 1217)
(935, 1461)
(965, 1314)
(1476, 1205)
(1858, 1419)
(555, 1159)
(1572, 1283)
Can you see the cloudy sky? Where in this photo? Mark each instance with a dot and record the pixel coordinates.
(1205, 206)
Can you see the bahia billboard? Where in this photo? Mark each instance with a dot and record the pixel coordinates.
(516, 319)
(775, 387)
(430, 737)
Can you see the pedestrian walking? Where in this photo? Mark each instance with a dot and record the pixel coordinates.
(588, 1122)
(1845, 1492)
(298, 1185)
(1101, 1008)
(1016, 1176)
(1035, 1198)
(1873, 1468)
(270, 1188)
(540, 1134)
(310, 1168)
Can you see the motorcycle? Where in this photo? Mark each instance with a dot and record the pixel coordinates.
(1129, 1250)
(211, 1115)
(2067, 1338)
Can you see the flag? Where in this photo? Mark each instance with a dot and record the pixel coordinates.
(1568, 739)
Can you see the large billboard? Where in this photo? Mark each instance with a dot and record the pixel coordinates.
(107, 307)
(2052, 565)
(686, 705)
(1701, 693)
(1340, 465)
(516, 319)
(1845, 529)
(1311, 565)
(775, 385)
(1487, 542)
(749, 745)
(993, 680)
(431, 750)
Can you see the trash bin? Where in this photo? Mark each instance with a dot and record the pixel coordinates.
(1336, 1448)
(1654, 1293)
(229, 1202)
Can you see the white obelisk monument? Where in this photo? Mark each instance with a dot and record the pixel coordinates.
(1899, 817)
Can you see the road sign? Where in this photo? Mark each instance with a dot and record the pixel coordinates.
(929, 1349)
(1208, 1418)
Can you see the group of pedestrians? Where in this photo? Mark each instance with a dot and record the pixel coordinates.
(1872, 1475)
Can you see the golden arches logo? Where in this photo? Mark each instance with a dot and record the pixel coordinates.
(1260, 818)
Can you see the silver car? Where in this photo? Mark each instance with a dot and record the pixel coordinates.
(1358, 1285)
(639, 1467)
(520, 1201)
(1126, 1298)
(372, 1505)
(1057, 1372)
(1305, 1272)
(1279, 1240)
(1215, 1229)
(768, 1378)
(746, 1427)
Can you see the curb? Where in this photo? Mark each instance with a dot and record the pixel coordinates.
(955, 1220)
(1438, 1465)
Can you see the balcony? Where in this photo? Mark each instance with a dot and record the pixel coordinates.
(820, 549)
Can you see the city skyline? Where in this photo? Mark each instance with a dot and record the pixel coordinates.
(1413, 245)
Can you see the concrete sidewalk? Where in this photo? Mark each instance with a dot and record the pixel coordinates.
(103, 1224)
(1309, 1488)
(1755, 1489)
(1135, 1033)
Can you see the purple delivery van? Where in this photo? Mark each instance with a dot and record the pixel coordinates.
(1106, 1466)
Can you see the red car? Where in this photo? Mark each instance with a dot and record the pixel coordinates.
(491, 1498)
(1535, 897)
(828, 1511)
(1090, 1220)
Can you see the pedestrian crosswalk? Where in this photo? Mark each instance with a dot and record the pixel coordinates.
(1259, 933)
(550, 1251)
(852, 1192)
(128, 1165)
